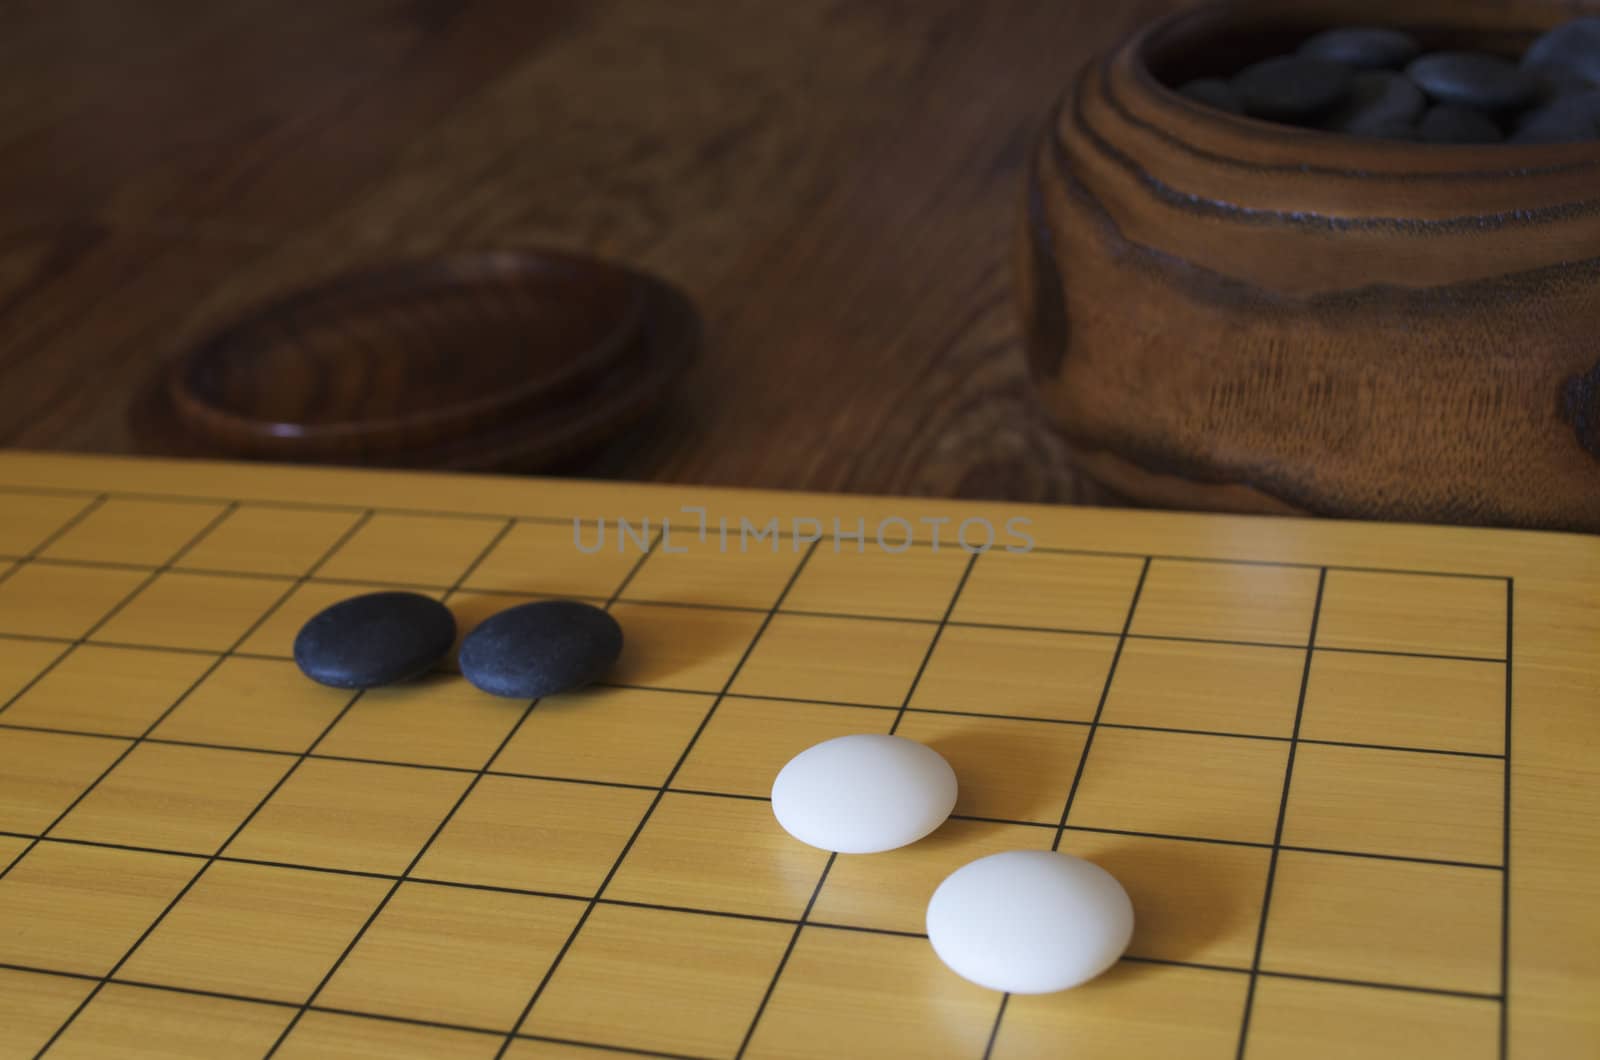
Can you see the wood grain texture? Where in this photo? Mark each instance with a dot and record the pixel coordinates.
(832, 183)
(1325, 324)
(1324, 863)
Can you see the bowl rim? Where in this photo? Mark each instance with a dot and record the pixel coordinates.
(456, 269)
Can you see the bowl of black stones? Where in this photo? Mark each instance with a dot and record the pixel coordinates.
(1339, 257)
(1380, 81)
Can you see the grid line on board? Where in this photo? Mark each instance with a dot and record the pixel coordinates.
(394, 887)
(994, 1028)
(466, 793)
(1369, 984)
(1083, 758)
(626, 1050)
(1100, 705)
(1283, 813)
(291, 585)
(627, 847)
(941, 711)
(692, 606)
(489, 590)
(207, 861)
(844, 704)
(211, 860)
(1505, 842)
(116, 609)
(933, 643)
(905, 701)
(783, 962)
(383, 1017)
(73, 643)
(700, 605)
(564, 520)
(1014, 823)
(492, 888)
(88, 509)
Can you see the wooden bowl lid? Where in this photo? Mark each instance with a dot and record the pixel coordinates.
(478, 360)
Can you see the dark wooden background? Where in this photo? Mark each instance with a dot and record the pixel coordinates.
(833, 181)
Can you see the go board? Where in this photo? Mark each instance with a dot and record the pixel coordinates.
(1347, 772)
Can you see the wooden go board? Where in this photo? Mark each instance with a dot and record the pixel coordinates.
(1348, 773)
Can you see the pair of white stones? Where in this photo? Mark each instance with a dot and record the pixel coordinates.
(1024, 921)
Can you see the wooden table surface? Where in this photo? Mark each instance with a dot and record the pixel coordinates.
(834, 183)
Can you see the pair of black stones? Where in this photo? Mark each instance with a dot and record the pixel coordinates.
(537, 649)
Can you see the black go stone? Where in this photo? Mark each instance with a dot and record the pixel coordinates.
(1567, 56)
(540, 649)
(1448, 124)
(1291, 87)
(1213, 92)
(1363, 47)
(1564, 120)
(1382, 104)
(1474, 79)
(373, 640)
(1349, 80)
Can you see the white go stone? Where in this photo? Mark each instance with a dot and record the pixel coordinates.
(864, 794)
(1030, 921)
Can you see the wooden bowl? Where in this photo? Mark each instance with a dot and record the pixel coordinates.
(1232, 314)
(488, 360)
